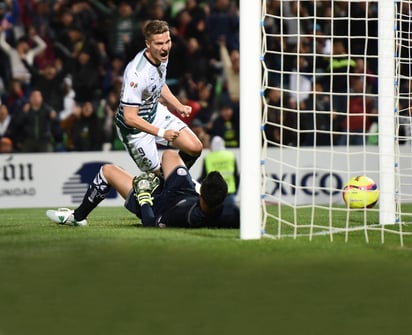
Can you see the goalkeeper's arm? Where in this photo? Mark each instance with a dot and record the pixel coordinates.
(144, 200)
(144, 186)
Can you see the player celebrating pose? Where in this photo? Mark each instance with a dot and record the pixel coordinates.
(141, 120)
(176, 204)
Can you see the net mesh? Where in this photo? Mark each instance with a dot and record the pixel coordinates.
(320, 122)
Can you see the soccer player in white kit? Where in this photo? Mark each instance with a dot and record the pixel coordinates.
(144, 116)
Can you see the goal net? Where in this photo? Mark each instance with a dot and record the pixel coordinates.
(335, 93)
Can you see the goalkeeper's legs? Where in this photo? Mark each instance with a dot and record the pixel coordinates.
(170, 161)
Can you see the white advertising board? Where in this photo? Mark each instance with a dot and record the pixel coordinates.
(57, 179)
(61, 179)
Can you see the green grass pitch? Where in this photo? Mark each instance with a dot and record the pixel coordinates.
(115, 277)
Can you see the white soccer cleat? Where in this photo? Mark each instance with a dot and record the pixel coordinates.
(64, 216)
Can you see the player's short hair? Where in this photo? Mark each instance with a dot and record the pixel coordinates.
(155, 27)
(213, 190)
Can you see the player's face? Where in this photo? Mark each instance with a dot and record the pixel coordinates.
(159, 47)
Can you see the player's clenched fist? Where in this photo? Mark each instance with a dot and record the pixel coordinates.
(170, 135)
(185, 111)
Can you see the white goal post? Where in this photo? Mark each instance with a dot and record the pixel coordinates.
(386, 68)
(250, 122)
(325, 96)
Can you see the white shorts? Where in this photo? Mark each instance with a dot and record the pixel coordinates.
(142, 147)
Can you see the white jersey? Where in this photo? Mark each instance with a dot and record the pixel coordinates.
(142, 86)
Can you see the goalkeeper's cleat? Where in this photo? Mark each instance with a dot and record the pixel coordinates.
(144, 198)
(147, 182)
(64, 216)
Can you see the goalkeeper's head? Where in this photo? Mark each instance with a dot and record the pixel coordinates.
(213, 191)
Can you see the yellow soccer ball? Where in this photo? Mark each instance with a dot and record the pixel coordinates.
(360, 192)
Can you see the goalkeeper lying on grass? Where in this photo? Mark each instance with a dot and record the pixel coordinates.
(176, 204)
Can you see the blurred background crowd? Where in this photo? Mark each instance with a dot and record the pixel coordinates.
(61, 67)
(324, 83)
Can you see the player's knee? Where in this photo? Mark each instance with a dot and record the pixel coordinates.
(190, 143)
(105, 169)
(198, 147)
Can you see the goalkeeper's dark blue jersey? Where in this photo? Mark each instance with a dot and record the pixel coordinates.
(178, 205)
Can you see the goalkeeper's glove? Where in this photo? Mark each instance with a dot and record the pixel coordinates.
(144, 185)
(147, 182)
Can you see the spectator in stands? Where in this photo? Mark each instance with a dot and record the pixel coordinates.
(273, 26)
(205, 98)
(222, 160)
(15, 98)
(300, 80)
(7, 21)
(290, 125)
(200, 131)
(226, 125)
(121, 24)
(49, 81)
(6, 145)
(297, 22)
(39, 17)
(280, 127)
(35, 125)
(197, 26)
(231, 72)
(317, 119)
(85, 75)
(365, 38)
(340, 67)
(84, 15)
(22, 51)
(357, 121)
(87, 130)
(273, 124)
(196, 63)
(71, 41)
(223, 21)
(12, 19)
(158, 10)
(362, 70)
(112, 76)
(7, 126)
(68, 99)
(110, 105)
(61, 20)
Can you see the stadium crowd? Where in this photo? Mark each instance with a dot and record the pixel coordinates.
(61, 66)
(324, 82)
(65, 59)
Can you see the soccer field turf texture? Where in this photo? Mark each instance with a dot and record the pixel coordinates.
(115, 277)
